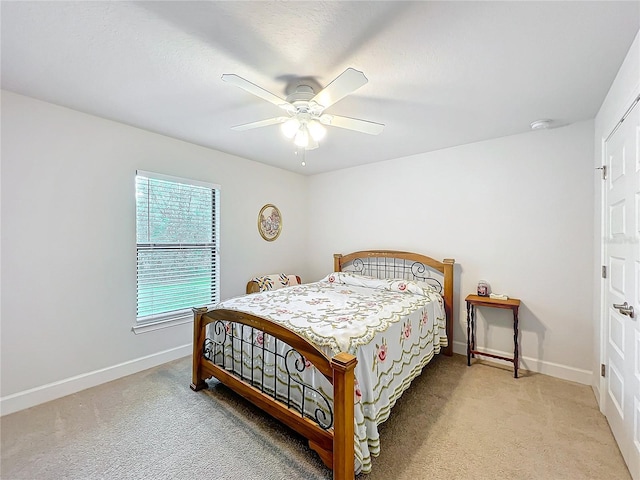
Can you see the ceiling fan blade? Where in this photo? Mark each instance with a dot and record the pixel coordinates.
(234, 79)
(261, 123)
(344, 84)
(364, 126)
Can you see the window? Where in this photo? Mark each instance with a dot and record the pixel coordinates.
(177, 239)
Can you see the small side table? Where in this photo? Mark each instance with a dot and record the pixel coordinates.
(474, 301)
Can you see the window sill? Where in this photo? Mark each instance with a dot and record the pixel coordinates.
(160, 324)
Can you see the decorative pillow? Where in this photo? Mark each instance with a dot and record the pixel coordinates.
(392, 284)
(275, 281)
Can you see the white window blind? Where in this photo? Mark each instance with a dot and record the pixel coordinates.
(177, 244)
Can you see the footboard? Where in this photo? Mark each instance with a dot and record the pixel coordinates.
(330, 425)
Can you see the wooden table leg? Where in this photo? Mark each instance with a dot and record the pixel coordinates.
(468, 334)
(516, 357)
(473, 330)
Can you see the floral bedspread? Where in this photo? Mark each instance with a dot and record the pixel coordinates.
(393, 327)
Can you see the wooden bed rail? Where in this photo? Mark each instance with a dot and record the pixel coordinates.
(335, 446)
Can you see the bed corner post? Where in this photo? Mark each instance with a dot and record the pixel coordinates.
(336, 262)
(448, 302)
(343, 365)
(197, 383)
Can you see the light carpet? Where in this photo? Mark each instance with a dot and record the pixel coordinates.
(455, 422)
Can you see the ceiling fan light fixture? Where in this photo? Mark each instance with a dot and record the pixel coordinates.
(306, 120)
(290, 127)
(302, 137)
(316, 130)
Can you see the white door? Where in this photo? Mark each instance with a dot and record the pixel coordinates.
(622, 255)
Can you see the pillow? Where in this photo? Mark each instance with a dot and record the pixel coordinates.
(391, 284)
(275, 281)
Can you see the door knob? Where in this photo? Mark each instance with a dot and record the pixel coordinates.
(624, 308)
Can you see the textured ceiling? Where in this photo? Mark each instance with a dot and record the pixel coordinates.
(440, 73)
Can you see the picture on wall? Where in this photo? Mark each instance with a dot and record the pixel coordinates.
(269, 222)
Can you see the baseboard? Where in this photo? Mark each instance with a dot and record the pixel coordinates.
(45, 393)
(596, 393)
(535, 365)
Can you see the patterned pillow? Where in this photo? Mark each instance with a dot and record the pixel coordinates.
(391, 284)
(275, 281)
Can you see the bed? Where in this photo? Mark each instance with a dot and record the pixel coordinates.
(330, 358)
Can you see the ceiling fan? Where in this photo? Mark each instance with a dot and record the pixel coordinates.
(305, 108)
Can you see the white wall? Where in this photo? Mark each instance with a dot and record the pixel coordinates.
(625, 88)
(515, 211)
(68, 247)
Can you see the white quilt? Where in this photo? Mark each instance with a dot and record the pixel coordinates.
(393, 327)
